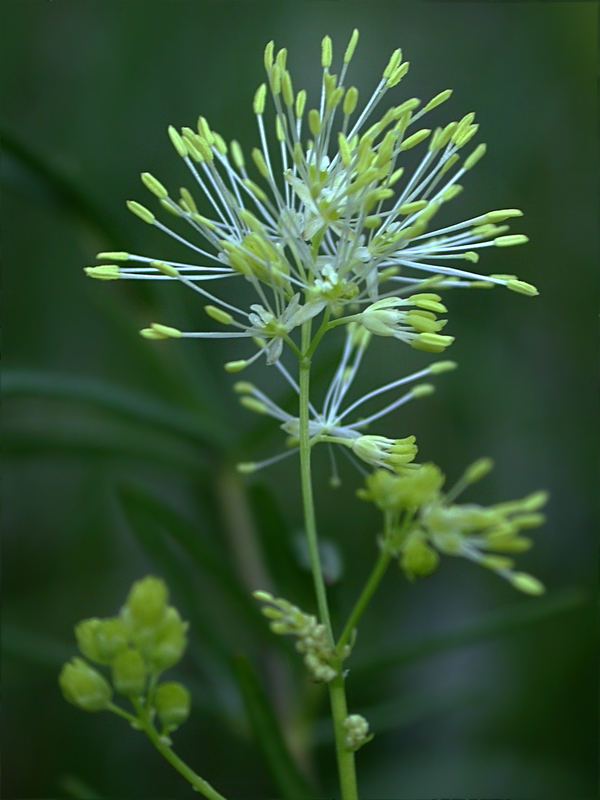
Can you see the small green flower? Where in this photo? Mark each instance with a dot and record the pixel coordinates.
(101, 640)
(84, 687)
(173, 703)
(129, 673)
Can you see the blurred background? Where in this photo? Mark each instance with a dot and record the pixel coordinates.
(119, 452)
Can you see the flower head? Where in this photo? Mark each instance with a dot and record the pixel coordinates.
(434, 524)
(325, 215)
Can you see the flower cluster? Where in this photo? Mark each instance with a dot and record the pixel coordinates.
(427, 522)
(313, 641)
(357, 732)
(147, 638)
(330, 426)
(335, 222)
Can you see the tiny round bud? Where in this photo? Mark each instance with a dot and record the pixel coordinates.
(83, 686)
(101, 640)
(146, 604)
(129, 673)
(173, 703)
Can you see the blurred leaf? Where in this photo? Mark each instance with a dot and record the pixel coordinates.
(35, 648)
(75, 787)
(201, 552)
(154, 540)
(505, 620)
(126, 403)
(71, 434)
(394, 713)
(278, 547)
(37, 174)
(268, 734)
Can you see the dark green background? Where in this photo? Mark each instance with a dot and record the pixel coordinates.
(467, 697)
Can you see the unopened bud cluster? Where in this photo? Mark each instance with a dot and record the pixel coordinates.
(428, 523)
(313, 640)
(357, 732)
(146, 638)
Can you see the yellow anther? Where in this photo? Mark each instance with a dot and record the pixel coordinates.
(154, 185)
(287, 91)
(170, 206)
(326, 52)
(204, 149)
(141, 211)
(208, 223)
(314, 121)
(422, 390)
(438, 100)
(275, 79)
(166, 269)
(442, 366)
(300, 103)
(411, 208)
(204, 130)
(235, 366)
(393, 63)
(252, 404)
(268, 57)
(254, 189)
(156, 332)
(246, 467)
(374, 222)
(281, 58)
(177, 142)
(432, 342)
(219, 143)
(475, 156)
(351, 46)
(113, 256)
(450, 192)
(258, 104)
(478, 470)
(471, 256)
(465, 137)
(279, 129)
(243, 387)
(527, 583)
(395, 176)
(449, 163)
(415, 138)
(501, 215)
(522, 287)
(188, 200)
(397, 75)
(344, 147)
(105, 272)
(219, 315)
(261, 164)
(237, 154)
(509, 241)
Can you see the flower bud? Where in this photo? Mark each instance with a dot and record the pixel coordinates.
(101, 639)
(168, 643)
(418, 558)
(83, 686)
(172, 702)
(146, 603)
(129, 673)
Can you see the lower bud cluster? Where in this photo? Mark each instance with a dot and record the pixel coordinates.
(313, 641)
(146, 638)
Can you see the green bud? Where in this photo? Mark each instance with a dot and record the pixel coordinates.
(101, 639)
(146, 603)
(83, 686)
(129, 673)
(418, 558)
(169, 642)
(172, 702)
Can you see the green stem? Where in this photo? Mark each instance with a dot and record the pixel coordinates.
(160, 743)
(367, 593)
(337, 692)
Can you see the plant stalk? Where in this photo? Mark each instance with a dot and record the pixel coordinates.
(337, 692)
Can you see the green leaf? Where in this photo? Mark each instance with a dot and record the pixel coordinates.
(154, 540)
(201, 552)
(124, 403)
(496, 623)
(269, 736)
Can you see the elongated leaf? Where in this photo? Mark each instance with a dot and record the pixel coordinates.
(282, 768)
(526, 612)
(40, 174)
(73, 435)
(125, 403)
(154, 541)
(34, 648)
(201, 552)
